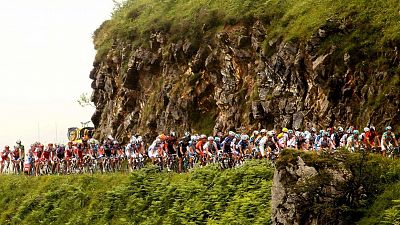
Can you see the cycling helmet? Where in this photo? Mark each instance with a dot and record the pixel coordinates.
(7, 146)
(321, 132)
(245, 137)
(110, 137)
(237, 136)
(356, 132)
(217, 139)
(340, 129)
(158, 141)
(273, 132)
(115, 142)
(139, 139)
(203, 136)
(366, 129)
(297, 133)
(313, 130)
(187, 133)
(263, 131)
(349, 130)
(372, 128)
(327, 134)
(231, 133)
(186, 138)
(285, 130)
(173, 134)
(210, 138)
(306, 133)
(255, 132)
(270, 134)
(330, 129)
(290, 131)
(18, 142)
(388, 128)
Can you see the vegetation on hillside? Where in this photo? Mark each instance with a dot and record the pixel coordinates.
(205, 196)
(368, 24)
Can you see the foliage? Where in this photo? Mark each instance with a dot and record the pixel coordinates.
(375, 22)
(84, 100)
(205, 196)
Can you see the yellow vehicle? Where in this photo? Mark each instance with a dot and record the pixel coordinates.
(78, 135)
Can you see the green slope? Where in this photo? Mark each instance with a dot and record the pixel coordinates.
(206, 196)
(367, 24)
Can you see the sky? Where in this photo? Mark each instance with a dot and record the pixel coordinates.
(46, 55)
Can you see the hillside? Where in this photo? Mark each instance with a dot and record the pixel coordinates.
(205, 196)
(218, 65)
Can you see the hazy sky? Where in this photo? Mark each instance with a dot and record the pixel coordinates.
(46, 54)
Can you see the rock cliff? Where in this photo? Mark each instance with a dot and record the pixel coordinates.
(328, 188)
(240, 78)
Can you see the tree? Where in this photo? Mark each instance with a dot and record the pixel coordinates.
(84, 100)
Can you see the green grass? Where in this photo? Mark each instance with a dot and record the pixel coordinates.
(205, 196)
(369, 22)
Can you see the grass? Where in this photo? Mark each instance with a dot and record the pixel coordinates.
(369, 23)
(205, 196)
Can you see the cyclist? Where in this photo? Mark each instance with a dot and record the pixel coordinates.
(244, 145)
(372, 139)
(60, 152)
(182, 149)
(170, 143)
(270, 145)
(336, 136)
(200, 148)
(130, 152)
(292, 140)
(226, 145)
(5, 157)
(353, 140)
(210, 147)
(388, 140)
(325, 142)
(16, 159)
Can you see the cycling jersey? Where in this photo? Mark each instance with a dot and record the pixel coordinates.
(170, 145)
(184, 146)
(211, 147)
(46, 154)
(227, 144)
(199, 147)
(243, 145)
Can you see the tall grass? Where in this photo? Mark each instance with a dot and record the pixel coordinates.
(208, 195)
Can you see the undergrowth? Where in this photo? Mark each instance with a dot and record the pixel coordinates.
(205, 196)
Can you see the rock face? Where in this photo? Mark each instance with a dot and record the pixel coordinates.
(239, 79)
(302, 194)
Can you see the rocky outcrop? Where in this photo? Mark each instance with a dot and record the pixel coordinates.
(240, 79)
(304, 195)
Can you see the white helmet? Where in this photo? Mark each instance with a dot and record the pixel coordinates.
(139, 139)
(340, 129)
(245, 137)
(263, 131)
(366, 129)
(110, 137)
(231, 133)
(210, 138)
(203, 136)
(256, 132)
